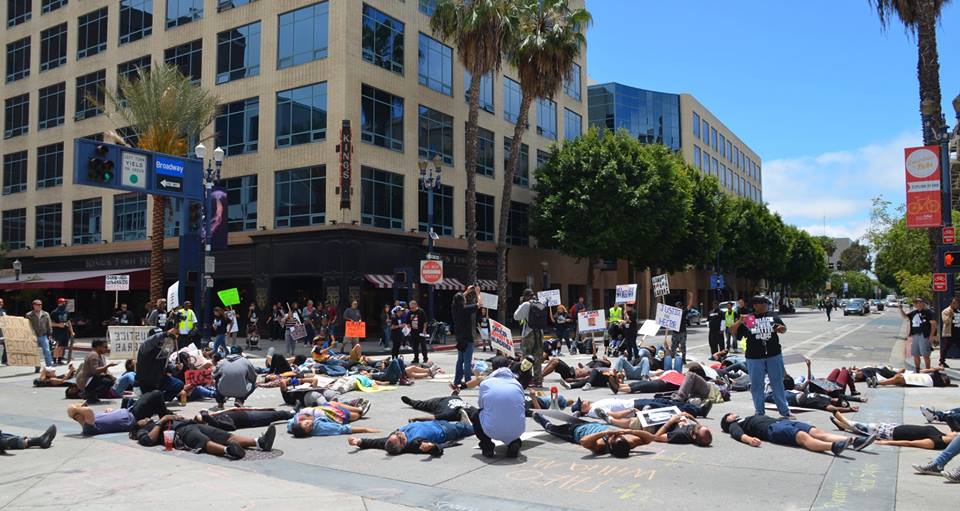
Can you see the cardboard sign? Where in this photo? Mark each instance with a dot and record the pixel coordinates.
(488, 301)
(199, 377)
(229, 297)
(922, 171)
(669, 317)
(173, 296)
(649, 328)
(550, 298)
(21, 342)
(357, 329)
(592, 321)
(116, 283)
(626, 293)
(125, 340)
(657, 416)
(661, 286)
(501, 338)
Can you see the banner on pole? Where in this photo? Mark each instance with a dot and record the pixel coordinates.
(229, 296)
(550, 298)
(626, 293)
(661, 285)
(488, 301)
(592, 321)
(923, 186)
(501, 338)
(173, 296)
(21, 343)
(669, 317)
(125, 340)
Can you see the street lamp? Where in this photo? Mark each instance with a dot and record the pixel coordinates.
(430, 182)
(17, 268)
(210, 178)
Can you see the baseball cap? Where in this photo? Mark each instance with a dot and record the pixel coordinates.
(575, 408)
(61, 300)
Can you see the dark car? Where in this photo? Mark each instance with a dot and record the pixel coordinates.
(857, 306)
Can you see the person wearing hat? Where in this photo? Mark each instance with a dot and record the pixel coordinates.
(152, 365)
(62, 330)
(764, 356)
(923, 326)
(532, 314)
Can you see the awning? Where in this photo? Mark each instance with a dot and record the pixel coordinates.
(449, 285)
(139, 279)
(487, 285)
(380, 281)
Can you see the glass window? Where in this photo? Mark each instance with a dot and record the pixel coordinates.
(511, 100)
(706, 132)
(572, 125)
(303, 35)
(14, 172)
(48, 228)
(51, 5)
(435, 134)
(53, 47)
(242, 200)
(238, 53)
(92, 33)
(382, 198)
(729, 150)
(86, 221)
(714, 166)
(130, 217)
(436, 65)
(18, 11)
(736, 156)
(130, 70)
(428, 6)
(486, 90)
(225, 5)
(542, 158)
(188, 57)
(442, 210)
(89, 100)
(696, 156)
(14, 231)
(50, 165)
(302, 115)
(136, 20)
(517, 224)
(237, 126)
(16, 115)
(522, 175)
(571, 84)
(300, 197)
(53, 106)
(696, 125)
(485, 222)
(381, 118)
(181, 12)
(18, 59)
(713, 138)
(723, 170)
(382, 40)
(546, 118)
(486, 160)
(723, 146)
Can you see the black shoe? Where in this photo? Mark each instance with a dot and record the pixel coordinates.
(265, 442)
(705, 408)
(488, 452)
(46, 438)
(513, 449)
(234, 451)
(944, 365)
(406, 400)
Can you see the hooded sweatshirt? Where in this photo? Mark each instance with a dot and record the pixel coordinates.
(235, 376)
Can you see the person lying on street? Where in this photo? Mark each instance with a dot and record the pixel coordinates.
(10, 442)
(625, 407)
(118, 421)
(756, 429)
(190, 436)
(925, 378)
(49, 378)
(950, 417)
(680, 429)
(327, 420)
(815, 401)
(595, 437)
(901, 435)
(938, 465)
(307, 395)
(440, 408)
(242, 418)
(429, 437)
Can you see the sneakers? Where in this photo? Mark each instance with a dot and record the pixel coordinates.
(695, 401)
(364, 408)
(602, 414)
(487, 451)
(839, 446)
(928, 413)
(929, 469)
(952, 476)
(705, 408)
(44, 440)
(860, 443)
(565, 384)
(465, 417)
(872, 382)
(265, 442)
(513, 449)
(541, 420)
(234, 451)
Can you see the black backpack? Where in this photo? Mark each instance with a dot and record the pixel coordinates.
(537, 315)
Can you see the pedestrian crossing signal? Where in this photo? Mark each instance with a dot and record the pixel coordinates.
(195, 214)
(99, 168)
(951, 259)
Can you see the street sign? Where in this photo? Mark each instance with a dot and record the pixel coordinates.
(661, 285)
(126, 168)
(923, 186)
(846, 287)
(433, 257)
(431, 272)
(116, 283)
(716, 281)
(209, 264)
(949, 235)
(940, 282)
(133, 171)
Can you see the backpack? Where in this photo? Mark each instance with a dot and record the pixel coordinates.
(537, 315)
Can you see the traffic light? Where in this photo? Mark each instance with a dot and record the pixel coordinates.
(951, 259)
(195, 216)
(99, 168)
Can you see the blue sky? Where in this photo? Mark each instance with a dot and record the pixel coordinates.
(825, 96)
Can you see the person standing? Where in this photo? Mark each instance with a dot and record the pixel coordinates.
(630, 333)
(731, 316)
(829, 308)
(351, 314)
(416, 321)
(158, 316)
(385, 320)
(533, 315)
(575, 310)
(62, 330)
(42, 328)
(463, 308)
(764, 354)
(923, 325)
(123, 317)
(187, 324)
(502, 414)
(290, 321)
(3, 312)
(678, 340)
(396, 330)
(233, 326)
(951, 324)
(307, 315)
(218, 329)
(715, 330)
(483, 325)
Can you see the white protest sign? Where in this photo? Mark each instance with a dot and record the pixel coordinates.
(550, 298)
(71, 305)
(649, 328)
(669, 317)
(501, 338)
(661, 286)
(591, 321)
(626, 293)
(125, 340)
(488, 301)
(918, 380)
(116, 283)
(173, 296)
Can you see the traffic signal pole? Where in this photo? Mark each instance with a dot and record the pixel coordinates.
(946, 216)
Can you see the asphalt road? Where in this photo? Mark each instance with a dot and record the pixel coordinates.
(111, 471)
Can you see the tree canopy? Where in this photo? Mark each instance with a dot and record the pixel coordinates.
(856, 257)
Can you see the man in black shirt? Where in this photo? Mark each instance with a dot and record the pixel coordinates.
(715, 327)
(764, 355)
(630, 327)
(923, 325)
(758, 428)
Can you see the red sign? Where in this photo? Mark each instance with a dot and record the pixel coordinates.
(949, 235)
(940, 282)
(346, 170)
(923, 186)
(431, 272)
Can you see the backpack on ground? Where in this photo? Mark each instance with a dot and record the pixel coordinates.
(537, 315)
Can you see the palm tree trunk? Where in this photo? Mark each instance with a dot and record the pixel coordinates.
(471, 156)
(928, 74)
(508, 173)
(156, 248)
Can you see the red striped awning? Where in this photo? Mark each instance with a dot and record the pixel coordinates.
(380, 281)
(449, 285)
(487, 284)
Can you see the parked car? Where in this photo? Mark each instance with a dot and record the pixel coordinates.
(857, 306)
(694, 317)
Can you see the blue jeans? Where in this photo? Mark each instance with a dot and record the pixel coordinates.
(453, 431)
(672, 362)
(633, 372)
(949, 453)
(171, 387)
(44, 344)
(202, 393)
(124, 383)
(385, 338)
(394, 372)
(220, 342)
(772, 367)
(464, 365)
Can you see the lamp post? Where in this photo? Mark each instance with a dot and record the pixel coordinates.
(430, 182)
(17, 268)
(211, 176)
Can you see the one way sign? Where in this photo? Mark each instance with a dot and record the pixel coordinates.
(169, 183)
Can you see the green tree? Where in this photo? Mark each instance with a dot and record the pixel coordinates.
(549, 39)
(915, 284)
(805, 269)
(859, 284)
(165, 110)
(481, 31)
(856, 257)
(756, 240)
(708, 219)
(829, 246)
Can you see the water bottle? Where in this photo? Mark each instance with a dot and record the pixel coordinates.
(554, 394)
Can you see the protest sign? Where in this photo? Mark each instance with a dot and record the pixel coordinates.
(626, 293)
(116, 283)
(488, 301)
(649, 328)
(21, 342)
(125, 340)
(229, 297)
(357, 329)
(592, 321)
(550, 298)
(501, 338)
(173, 296)
(199, 377)
(661, 286)
(669, 317)
(657, 416)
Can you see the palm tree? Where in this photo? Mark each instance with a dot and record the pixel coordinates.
(164, 109)
(549, 39)
(480, 30)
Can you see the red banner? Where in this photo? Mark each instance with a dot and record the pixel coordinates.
(923, 186)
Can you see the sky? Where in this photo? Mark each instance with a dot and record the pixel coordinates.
(825, 95)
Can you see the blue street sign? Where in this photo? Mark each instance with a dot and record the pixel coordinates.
(716, 281)
(134, 170)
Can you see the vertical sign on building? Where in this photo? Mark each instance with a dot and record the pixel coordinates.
(923, 186)
(346, 169)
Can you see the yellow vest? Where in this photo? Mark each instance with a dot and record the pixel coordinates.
(616, 314)
(187, 324)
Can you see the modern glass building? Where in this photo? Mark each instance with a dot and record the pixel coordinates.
(653, 117)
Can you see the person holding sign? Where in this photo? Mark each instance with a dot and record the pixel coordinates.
(533, 315)
(764, 355)
(351, 314)
(463, 308)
